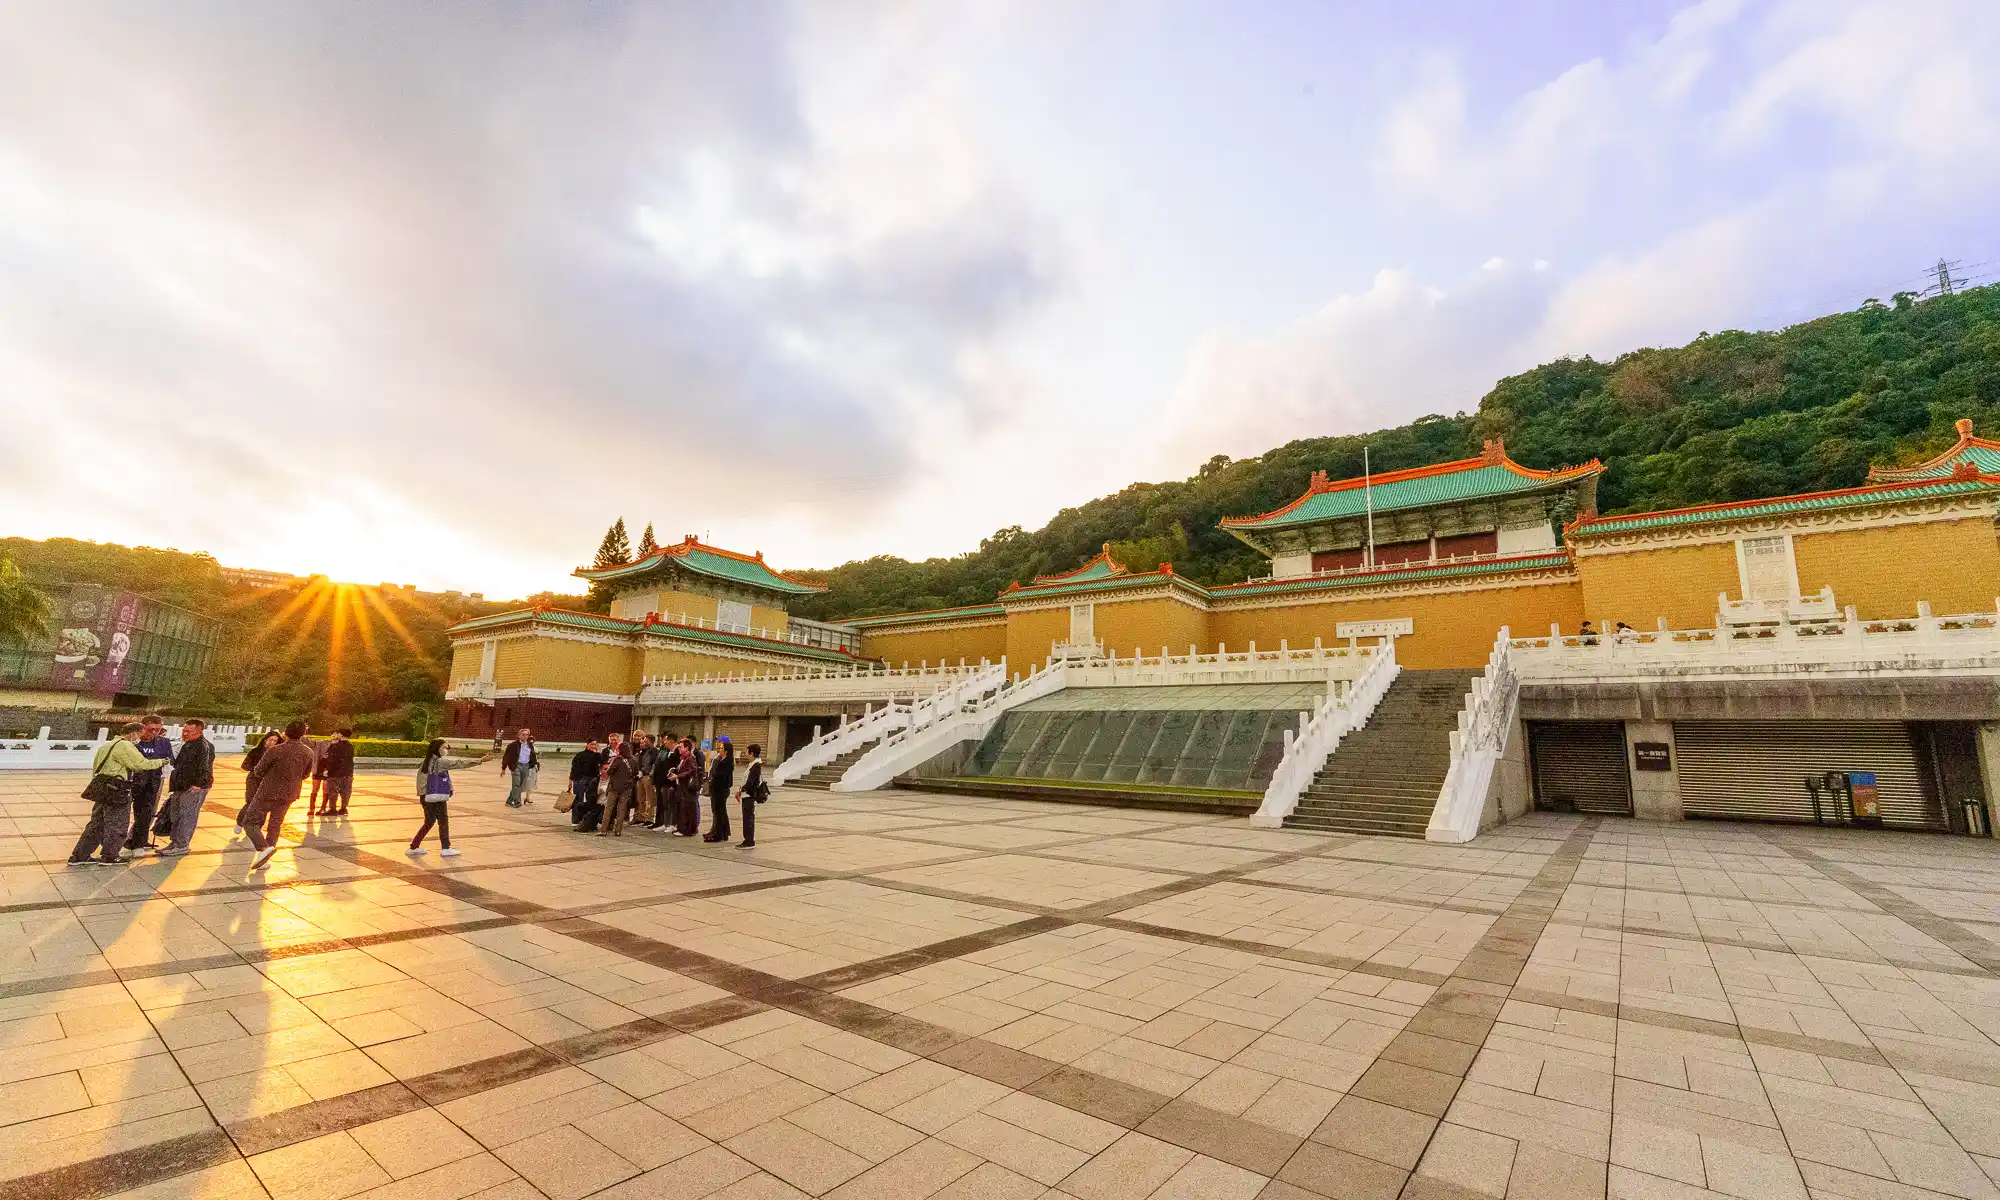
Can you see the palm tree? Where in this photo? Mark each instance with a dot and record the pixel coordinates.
(24, 608)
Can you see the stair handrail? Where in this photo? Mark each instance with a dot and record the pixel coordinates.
(842, 738)
(1319, 736)
(1476, 746)
(975, 714)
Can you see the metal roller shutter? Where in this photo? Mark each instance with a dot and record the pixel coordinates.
(1581, 765)
(1756, 770)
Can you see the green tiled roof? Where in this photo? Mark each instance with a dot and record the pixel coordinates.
(601, 623)
(933, 614)
(1099, 568)
(1266, 587)
(1984, 456)
(750, 572)
(1448, 483)
(1109, 582)
(1782, 505)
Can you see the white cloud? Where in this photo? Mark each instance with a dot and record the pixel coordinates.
(1863, 133)
(1397, 351)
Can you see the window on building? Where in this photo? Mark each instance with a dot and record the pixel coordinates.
(733, 615)
(1767, 569)
(1082, 624)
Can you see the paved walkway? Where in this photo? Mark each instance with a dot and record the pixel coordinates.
(899, 995)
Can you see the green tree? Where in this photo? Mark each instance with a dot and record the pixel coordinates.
(647, 546)
(614, 551)
(24, 608)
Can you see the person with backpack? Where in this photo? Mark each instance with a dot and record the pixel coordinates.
(755, 791)
(434, 793)
(110, 794)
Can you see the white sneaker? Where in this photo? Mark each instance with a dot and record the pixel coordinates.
(416, 851)
(263, 860)
(448, 852)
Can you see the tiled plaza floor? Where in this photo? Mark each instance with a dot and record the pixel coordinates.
(900, 995)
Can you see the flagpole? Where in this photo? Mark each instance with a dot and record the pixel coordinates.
(1368, 495)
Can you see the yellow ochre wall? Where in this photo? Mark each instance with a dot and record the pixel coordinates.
(938, 644)
(1451, 629)
(1639, 587)
(1146, 625)
(1030, 634)
(465, 660)
(1884, 572)
(569, 666)
(773, 619)
(667, 660)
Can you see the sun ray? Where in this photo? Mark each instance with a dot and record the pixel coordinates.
(336, 644)
(396, 626)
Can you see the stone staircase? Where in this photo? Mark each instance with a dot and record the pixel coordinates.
(824, 776)
(1384, 777)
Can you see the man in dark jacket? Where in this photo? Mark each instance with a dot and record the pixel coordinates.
(519, 764)
(583, 771)
(194, 774)
(153, 744)
(336, 773)
(274, 787)
(721, 773)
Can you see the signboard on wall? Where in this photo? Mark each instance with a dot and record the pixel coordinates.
(93, 644)
(1652, 756)
(1398, 627)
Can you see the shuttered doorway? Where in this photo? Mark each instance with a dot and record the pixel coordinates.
(1580, 766)
(1756, 770)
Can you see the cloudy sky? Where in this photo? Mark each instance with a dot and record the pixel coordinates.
(431, 293)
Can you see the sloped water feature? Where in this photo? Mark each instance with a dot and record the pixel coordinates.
(1202, 738)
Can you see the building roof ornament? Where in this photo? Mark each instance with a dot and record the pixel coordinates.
(1490, 476)
(731, 566)
(1981, 454)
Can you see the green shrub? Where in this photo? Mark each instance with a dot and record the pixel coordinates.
(388, 748)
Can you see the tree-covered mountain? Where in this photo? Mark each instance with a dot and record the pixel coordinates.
(372, 656)
(1729, 416)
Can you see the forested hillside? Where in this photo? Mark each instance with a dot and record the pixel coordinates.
(332, 652)
(1729, 416)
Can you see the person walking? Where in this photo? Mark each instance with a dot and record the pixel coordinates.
(519, 763)
(110, 796)
(621, 776)
(271, 738)
(335, 774)
(583, 772)
(755, 791)
(434, 793)
(721, 773)
(274, 787)
(194, 774)
(153, 744)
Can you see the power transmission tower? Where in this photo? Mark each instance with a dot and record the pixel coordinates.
(1943, 270)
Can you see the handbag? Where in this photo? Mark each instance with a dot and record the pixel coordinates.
(163, 822)
(568, 799)
(108, 789)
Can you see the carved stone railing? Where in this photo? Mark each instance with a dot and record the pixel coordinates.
(1923, 644)
(970, 716)
(1320, 733)
(1484, 725)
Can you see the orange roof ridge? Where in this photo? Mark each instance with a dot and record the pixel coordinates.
(1102, 556)
(1966, 441)
(1891, 485)
(1493, 455)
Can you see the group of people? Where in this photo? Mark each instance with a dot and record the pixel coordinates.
(653, 782)
(131, 772)
(649, 781)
